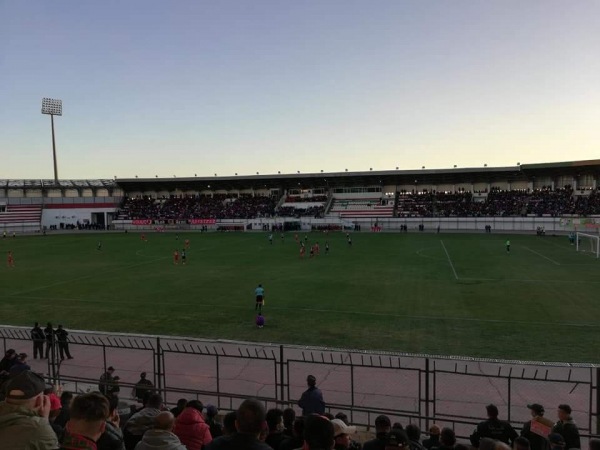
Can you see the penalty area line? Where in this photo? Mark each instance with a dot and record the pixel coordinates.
(449, 260)
(543, 256)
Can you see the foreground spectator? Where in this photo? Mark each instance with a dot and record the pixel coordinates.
(383, 425)
(275, 424)
(341, 434)
(10, 357)
(289, 416)
(88, 420)
(434, 437)
(297, 439)
(414, 437)
(20, 365)
(447, 439)
(216, 429)
(141, 421)
(112, 438)
(536, 442)
(557, 442)
(493, 428)
(566, 427)
(181, 403)
(229, 423)
(311, 401)
(161, 436)
(65, 406)
(521, 443)
(594, 444)
(190, 427)
(249, 421)
(396, 438)
(24, 415)
(318, 433)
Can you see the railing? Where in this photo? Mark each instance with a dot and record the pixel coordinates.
(419, 389)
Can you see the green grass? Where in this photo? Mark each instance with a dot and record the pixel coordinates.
(388, 292)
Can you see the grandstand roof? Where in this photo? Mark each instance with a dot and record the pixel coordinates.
(50, 184)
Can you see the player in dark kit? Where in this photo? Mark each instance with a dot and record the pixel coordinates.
(183, 256)
(507, 246)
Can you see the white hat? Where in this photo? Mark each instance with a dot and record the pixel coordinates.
(339, 427)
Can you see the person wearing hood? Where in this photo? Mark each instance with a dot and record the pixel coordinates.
(191, 428)
(161, 437)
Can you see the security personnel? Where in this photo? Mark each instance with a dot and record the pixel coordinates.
(38, 338)
(63, 342)
(494, 428)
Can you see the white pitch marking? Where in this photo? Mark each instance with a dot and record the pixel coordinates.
(543, 256)
(449, 260)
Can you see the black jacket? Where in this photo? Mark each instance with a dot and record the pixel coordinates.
(499, 430)
(111, 439)
(237, 441)
(376, 444)
(570, 433)
(433, 441)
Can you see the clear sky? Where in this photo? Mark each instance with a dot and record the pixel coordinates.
(192, 86)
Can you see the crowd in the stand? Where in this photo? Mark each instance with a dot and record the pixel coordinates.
(499, 203)
(311, 211)
(34, 416)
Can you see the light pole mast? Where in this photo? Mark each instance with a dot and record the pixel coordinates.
(53, 108)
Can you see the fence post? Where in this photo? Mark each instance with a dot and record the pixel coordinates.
(281, 374)
(158, 367)
(351, 390)
(509, 395)
(218, 378)
(597, 400)
(427, 393)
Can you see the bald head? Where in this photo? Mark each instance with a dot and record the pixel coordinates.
(164, 421)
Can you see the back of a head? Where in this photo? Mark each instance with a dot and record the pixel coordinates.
(447, 437)
(522, 443)
(487, 443)
(273, 418)
(250, 416)
(434, 430)
(289, 416)
(196, 404)
(181, 403)
(154, 401)
(413, 432)
(113, 403)
(229, 423)
(164, 421)
(343, 417)
(92, 407)
(65, 399)
(311, 381)
(594, 444)
(383, 424)
(318, 432)
(298, 427)
(492, 411)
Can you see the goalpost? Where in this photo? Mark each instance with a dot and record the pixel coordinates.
(587, 243)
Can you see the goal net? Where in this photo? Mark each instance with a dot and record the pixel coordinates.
(588, 243)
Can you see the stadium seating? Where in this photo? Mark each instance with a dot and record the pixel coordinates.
(19, 215)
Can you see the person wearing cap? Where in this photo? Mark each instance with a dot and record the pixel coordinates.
(383, 426)
(142, 387)
(354, 445)
(249, 422)
(24, 415)
(87, 423)
(341, 434)
(318, 433)
(493, 428)
(106, 380)
(434, 437)
(536, 442)
(567, 428)
(311, 401)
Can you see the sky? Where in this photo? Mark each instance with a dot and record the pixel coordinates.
(202, 87)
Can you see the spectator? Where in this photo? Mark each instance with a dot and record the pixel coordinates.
(341, 434)
(65, 406)
(88, 421)
(297, 439)
(556, 441)
(493, 428)
(311, 401)
(318, 433)
(10, 358)
(434, 437)
(190, 427)
(229, 423)
(275, 423)
(536, 442)
(396, 438)
(354, 445)
(161, 437)
(566, 427)
(106, 380)
(55, 408)
(24, 415)
(447, 439)
(141, 421)
(249, 421)
(19, 366)
(49, 334)
(383, 426)
(594, 444)
(112, 438)
(521, 443)
(216, 429)
(413, 432)
(289, 417)
(142, 387)
(179, 408)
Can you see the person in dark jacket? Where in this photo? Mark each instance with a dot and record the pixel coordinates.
(289, 416)
(38, 338)
(295, 441)
(275, 423)
(112, 437)
(19, 366)
(414, 437)
(311, 401)
(216, 429)
(179, 408)
(434, 437)
(494, 428)
(536, 442)
(50, 339)
(143, 387)
(447, 439)
(106, 381)
(63, 342)
(383, 426)
(318, 433)
(249, 421)
(65, 406)
(566, 427)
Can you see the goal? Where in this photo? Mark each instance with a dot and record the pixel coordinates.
(588, 243)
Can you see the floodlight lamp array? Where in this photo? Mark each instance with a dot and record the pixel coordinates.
(52, 106)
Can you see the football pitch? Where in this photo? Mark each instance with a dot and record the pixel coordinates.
(445, 294)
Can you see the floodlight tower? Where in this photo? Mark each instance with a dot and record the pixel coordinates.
(52, 107)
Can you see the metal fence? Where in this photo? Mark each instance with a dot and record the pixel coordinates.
(420, 389)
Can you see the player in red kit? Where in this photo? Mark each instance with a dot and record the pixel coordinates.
(176, 257)
(144, 238)
(302, 250)
(11, 259)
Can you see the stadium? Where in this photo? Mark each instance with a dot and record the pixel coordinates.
(424, 299)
